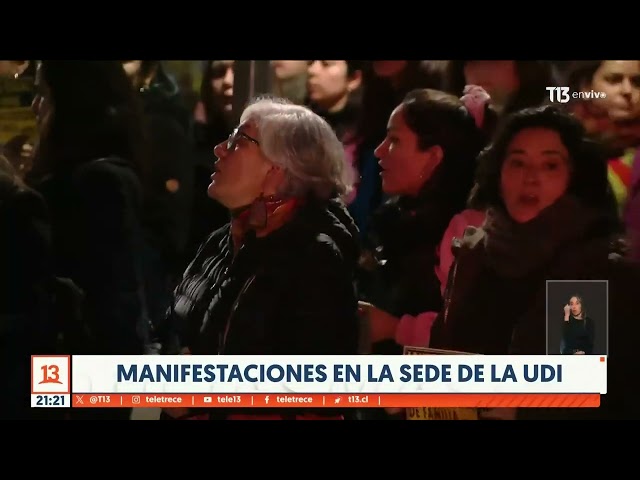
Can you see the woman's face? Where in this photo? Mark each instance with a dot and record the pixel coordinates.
(535, 173)
(576, 306)
(222, 83)
(241, 169)
(620, 80)
(405, 168)
(329, 85)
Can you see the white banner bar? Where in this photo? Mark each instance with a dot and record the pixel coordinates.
(340, 374)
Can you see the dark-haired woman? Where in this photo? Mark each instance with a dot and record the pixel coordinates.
(551, 215)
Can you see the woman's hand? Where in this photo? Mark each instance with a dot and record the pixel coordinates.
(382, 325)
(567, 311)
(579, 352)
(475, 99)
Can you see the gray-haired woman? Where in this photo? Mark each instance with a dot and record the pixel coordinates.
(278, 280)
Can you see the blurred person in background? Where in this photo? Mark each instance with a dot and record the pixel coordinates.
(88, 165)
(169, 187)
(614, 120)
(216, 95)
(334, 93)
(561, 69)
(512, 84)
(401, 74)
(278, 279)
(26, 324)
(385, 83)
(290, 80)
(213, 124)
(187, 75)
(17, 123)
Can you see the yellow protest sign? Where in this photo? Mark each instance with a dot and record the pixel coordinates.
(431, 413)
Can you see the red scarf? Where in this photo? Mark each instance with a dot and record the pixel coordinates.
(263, 216)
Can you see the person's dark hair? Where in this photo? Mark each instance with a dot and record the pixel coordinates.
(353, 67)
(589, 182)
(346, 123)
(439, 118)
(380, 97)
(534, 76)
(95, 113)
(218, 123)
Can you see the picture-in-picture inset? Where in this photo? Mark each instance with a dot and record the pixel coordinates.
(577, 317)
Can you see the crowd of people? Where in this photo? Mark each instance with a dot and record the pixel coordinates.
(359, 207)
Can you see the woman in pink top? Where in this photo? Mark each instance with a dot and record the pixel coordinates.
(426, 159)
(415, 330)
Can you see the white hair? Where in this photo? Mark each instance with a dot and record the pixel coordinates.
(303, 144)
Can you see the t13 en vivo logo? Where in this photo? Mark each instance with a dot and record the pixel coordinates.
(563, 95)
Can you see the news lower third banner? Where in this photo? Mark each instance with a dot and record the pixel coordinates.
(359, 381)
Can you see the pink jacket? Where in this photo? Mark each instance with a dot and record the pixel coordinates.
(416, 331)
(456, 228)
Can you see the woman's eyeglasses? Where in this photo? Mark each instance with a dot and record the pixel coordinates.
(236, 136)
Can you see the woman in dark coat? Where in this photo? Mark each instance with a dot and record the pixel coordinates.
(26, 324)
(277, 280)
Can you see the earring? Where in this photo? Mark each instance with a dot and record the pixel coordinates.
(16, 75)
(258, 213)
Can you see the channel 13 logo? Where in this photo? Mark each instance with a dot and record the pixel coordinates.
(50, 374)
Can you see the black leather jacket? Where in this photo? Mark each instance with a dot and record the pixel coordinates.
(289, 293)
